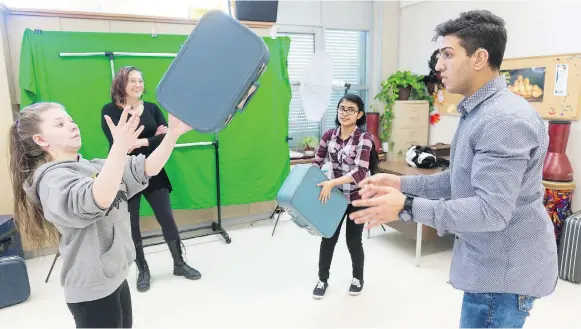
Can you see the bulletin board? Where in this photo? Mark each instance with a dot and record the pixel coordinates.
(551, 84)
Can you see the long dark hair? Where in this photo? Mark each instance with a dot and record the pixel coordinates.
(25, 157)
(373, 156)
(360, 106)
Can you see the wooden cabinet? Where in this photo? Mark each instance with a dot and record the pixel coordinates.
(410, 125)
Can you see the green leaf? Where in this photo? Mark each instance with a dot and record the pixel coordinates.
(390, 93)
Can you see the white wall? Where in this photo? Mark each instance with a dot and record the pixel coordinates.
(535, 28)
(356, 15)
(310, 14)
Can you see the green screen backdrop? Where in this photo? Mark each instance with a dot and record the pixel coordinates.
(254, 156)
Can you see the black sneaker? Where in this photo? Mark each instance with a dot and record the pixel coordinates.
(356, 287)
(320, 289)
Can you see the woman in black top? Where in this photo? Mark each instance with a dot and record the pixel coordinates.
(126, 91)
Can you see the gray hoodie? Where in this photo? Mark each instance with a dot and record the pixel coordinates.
(95, 244)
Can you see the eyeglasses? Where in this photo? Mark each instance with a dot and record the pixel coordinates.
(349, 111)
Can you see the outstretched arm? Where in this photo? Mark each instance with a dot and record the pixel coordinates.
(159, 157)
(436, 186)
(503, 148)
(503, 152)
(107, 183)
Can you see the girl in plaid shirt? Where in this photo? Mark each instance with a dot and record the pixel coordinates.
(348, 149)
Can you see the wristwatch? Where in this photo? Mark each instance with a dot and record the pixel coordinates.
(405, 215)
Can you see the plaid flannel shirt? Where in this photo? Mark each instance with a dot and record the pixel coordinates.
(348, 157)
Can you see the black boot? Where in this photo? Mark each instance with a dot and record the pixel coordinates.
(179, 265)
(143, 276)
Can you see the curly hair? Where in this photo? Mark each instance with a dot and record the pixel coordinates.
(120, 83)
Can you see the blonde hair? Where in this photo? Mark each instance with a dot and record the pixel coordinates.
(25, 157)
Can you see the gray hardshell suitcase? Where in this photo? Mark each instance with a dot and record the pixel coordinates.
(14, 284)
(570, 249)
(215, 73)
(299, 196)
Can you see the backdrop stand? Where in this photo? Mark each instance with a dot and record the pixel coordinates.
(111, 55)
(215, 226)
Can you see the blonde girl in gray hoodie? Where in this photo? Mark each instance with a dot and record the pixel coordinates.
(60, 197)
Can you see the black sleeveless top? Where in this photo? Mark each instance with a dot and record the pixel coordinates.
(151, 118)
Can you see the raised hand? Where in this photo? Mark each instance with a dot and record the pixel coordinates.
(177, 127)
(126, 132)
(382, 180)
(382, 208)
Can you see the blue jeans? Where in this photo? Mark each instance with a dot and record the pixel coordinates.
(494, 310)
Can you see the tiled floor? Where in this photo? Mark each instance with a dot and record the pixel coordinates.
(264, 281)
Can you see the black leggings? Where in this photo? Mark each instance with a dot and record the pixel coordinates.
(353, 236)
(160, 204)
(113, 311)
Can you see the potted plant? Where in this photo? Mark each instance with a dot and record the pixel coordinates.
(309, 143)
(402, 85)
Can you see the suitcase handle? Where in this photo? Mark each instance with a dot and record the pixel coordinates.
(298, 223)
(5, 243)
(303, 226)
(248, 96)
(295, 219)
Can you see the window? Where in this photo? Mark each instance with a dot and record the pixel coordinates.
(301, 52)
(348, 52)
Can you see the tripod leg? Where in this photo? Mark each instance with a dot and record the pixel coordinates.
(276, 222)
(274, 212)
(52, 266)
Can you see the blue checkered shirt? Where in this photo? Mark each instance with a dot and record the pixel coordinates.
(491, 197)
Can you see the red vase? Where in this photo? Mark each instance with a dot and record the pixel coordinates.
(557, 166)
(372, 120)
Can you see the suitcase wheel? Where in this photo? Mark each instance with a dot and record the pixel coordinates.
(248, 96)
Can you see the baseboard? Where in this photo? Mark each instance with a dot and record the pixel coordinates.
(229, 223)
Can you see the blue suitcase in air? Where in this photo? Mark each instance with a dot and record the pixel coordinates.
(214, 74)
(299, 196)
